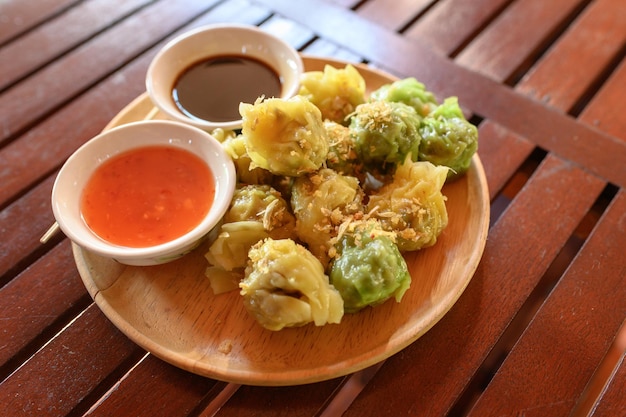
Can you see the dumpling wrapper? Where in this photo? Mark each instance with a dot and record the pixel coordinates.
(284, 136)
(285, 286)
(413, 205)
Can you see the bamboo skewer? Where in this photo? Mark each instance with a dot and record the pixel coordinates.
(52, 230)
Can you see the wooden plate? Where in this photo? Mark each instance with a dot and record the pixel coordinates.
(171, 311)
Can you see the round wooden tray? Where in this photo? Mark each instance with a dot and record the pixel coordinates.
(171, 311)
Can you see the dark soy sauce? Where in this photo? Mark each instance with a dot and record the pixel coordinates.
(212, 89)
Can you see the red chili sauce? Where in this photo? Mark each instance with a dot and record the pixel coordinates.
(147, 196)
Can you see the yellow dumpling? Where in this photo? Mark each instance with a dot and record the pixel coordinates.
(321, 202)
(284, 136)
(335, 91)
(255, 213)
(412, 205)
(285, 286)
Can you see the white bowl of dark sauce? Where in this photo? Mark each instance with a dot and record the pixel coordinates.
(201, 76)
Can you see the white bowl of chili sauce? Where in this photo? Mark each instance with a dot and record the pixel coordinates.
(144, 193)
(201, 76)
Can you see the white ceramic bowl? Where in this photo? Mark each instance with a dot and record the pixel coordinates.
(77, 170)
(214, 41)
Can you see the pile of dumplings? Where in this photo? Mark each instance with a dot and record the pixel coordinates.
(333, 186)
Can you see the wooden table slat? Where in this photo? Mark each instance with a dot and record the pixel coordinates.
(151, 388)
(60, 35)
(41, 93)
(50, 289)
(72, 365)
(393, 15)
(507, 151)
(20, 239)
(296, 401)
(289, 31)
(613, 398)
(508, 43)
(509, 270)
(603, 111)
(16, 19)
(448, 25)
(594, 38)
(548, 368)
(52, 141)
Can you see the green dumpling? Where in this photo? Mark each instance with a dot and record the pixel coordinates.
(448, 138)
(408, 91)
(369, 269)
(385, 133)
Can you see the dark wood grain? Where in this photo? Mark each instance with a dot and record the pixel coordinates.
(505, 152)
(68, 369)
(297, 401)
(449, 25)
(509, 270)
(613, 398)
(49, 88)
(547, 370)
(603, 111)
(17, 19)
(38, 299)
(23, 223)
(50, 142)
(151, 388)
(59, 35)
(509, 40)
(595, 38)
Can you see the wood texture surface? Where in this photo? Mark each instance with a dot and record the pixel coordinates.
(594, 38)
(18, 19)
(142, 393)
(55, 292)
(614, 397)
(59, 36)
(568, 336)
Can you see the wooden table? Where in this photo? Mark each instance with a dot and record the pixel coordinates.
(539, 331)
